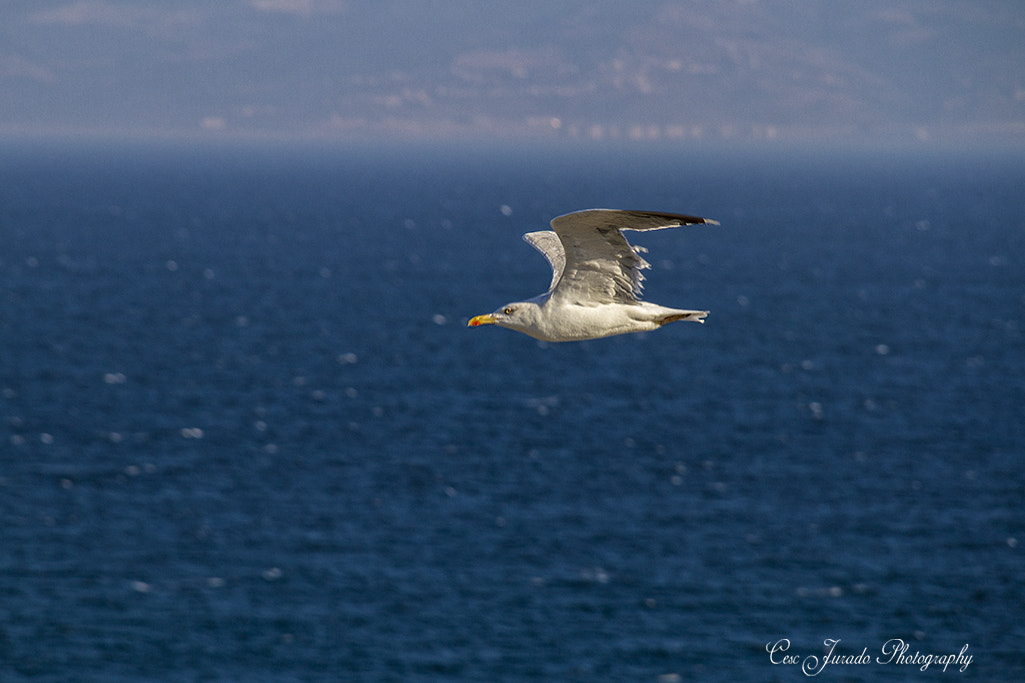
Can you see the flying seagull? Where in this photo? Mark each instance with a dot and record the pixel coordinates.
(596, 279)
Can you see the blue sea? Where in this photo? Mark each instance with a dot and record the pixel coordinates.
(246, 435)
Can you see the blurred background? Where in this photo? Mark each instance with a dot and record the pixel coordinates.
(878, 70)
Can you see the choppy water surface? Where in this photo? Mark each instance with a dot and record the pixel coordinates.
(246, 436)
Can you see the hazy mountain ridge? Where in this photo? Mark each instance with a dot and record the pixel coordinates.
(637, 70)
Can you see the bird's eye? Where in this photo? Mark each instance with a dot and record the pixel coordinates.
(507, 310)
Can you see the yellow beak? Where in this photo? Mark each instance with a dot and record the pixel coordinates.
(486, 319)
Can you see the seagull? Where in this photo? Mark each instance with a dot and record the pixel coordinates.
(596, 279)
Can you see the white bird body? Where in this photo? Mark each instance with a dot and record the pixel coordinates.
(596, 279)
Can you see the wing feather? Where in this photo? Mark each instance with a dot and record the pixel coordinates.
(598, 264)
(547, 242)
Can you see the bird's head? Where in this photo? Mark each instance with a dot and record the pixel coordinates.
(522, 316)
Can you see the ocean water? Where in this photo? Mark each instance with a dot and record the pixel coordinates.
(245, 434)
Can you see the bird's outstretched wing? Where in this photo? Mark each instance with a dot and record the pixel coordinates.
(597, 264)
(547, 242)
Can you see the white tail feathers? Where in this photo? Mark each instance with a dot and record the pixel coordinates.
(696, 316)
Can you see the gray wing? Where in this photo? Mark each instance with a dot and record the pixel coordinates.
(547, 242)
(599, 265)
